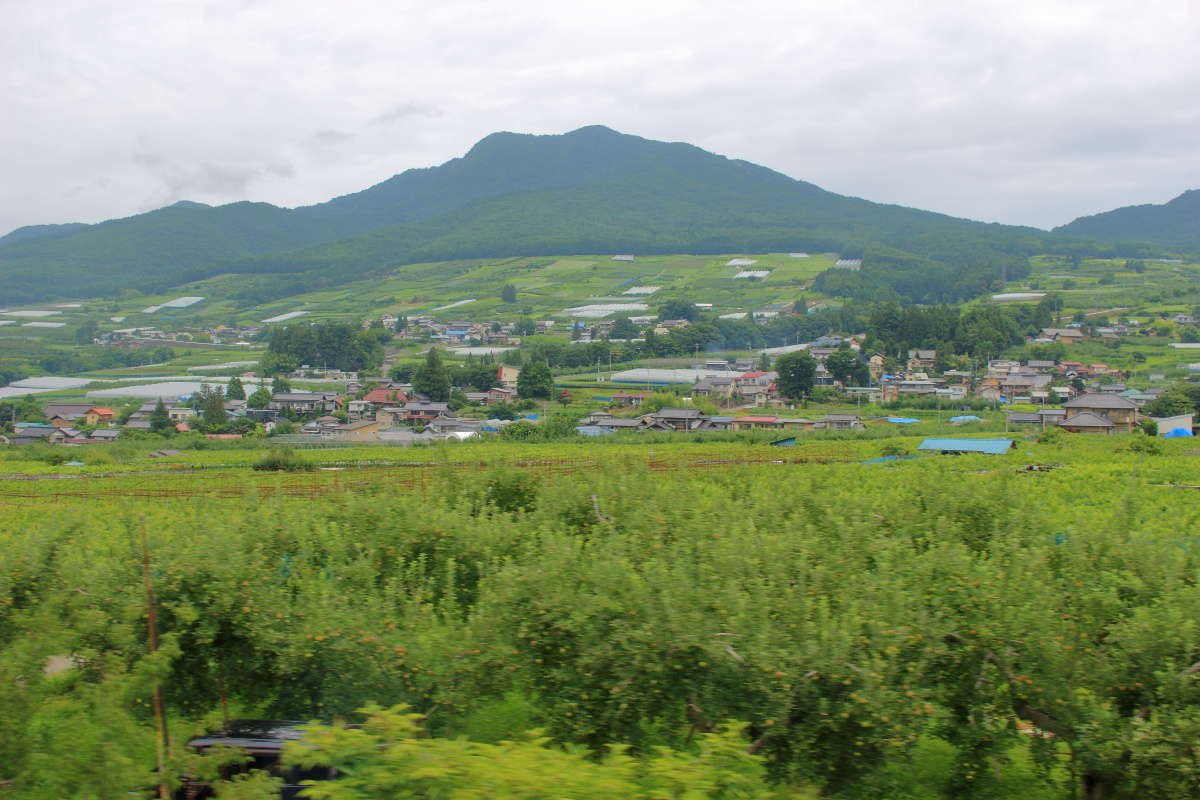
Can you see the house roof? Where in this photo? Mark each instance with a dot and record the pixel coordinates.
(619, 422)
(66, 409)
(384, 396)
(1086, 420)
(1100, 400)
(301, 396)
(679, 413)
(756, 419)
(990, 446)
(354, 426)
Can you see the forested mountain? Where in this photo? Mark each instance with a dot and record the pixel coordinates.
(589, 191)
(1173, 224)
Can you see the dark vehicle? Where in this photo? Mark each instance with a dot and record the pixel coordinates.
(262, 740)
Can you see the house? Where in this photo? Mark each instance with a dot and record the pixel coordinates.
(921, 360)
(676, 419)
(506, 376)
(447, 425)
(384, 397)
(363, 430)
(717, 387)
(1120, 411)
(499, 394)
(630, 400)
(106, 434)
(1086, 422)
(619, 423)
(1067, 335)
(424, 410)
(63, 414)
(1043, 418)
(33, 433)
(958, 446)
(875, 365)
(843, 422)
(303, 402)
(1168, 424)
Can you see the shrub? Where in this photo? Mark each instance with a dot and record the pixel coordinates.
(284, 461)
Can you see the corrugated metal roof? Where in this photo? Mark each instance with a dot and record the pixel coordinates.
(992, 446)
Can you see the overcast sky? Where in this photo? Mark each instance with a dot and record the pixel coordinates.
(1019, 111)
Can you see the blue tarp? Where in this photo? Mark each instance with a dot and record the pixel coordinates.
(1177, 433)
(966, 418)
(902, 420)
(992, 446)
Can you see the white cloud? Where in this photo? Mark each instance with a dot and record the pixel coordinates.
(1019, 111)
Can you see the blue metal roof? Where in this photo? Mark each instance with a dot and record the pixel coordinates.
(992, 446)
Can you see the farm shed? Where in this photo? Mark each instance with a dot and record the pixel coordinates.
(956, 446)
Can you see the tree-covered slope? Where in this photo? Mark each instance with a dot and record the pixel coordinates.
(654, 197)
(1173, 224)
(148, 251)
(591, 190)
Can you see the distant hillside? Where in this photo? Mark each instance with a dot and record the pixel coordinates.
(1173, 224)
(589, 191)
(41, 232)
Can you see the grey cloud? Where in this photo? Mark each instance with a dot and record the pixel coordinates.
(221, 182)
(331, 137)
(402, 112)
(1010, 110)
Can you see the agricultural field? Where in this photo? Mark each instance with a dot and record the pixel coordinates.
(1014, 626)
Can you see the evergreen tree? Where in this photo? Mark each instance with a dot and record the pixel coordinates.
(796, 373)
(509, 293)
(212, 408)
(160, 420)
(431, 378)
(536, 381)
(280, 384)
(624, 329)
(235, 390)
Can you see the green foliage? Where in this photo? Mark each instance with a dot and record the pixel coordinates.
(259, 399)
(283, 460)
(334, 345)
(535, 381)
(1147, 445)
(883, 630)
(388, 758)
(160, 420)
(588, 191)
(508, 293)
(796, 373)
(1172, 224)
(431, 378)
(235, 390)
(678, 309)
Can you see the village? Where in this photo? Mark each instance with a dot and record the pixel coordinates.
(712, 396)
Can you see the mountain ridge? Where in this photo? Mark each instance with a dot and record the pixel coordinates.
(1175, 223)
(589, 190)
